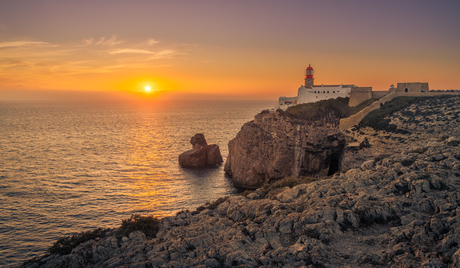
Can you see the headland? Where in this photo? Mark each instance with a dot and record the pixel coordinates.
(394, 202)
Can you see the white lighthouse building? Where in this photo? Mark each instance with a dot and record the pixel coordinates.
(313, 93)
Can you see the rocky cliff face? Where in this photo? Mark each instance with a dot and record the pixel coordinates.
(274, 146)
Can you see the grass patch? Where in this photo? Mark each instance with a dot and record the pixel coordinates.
(149, 225)
(65, 245)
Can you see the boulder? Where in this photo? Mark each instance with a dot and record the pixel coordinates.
(213, 155)
(274, 146)
(201, 154)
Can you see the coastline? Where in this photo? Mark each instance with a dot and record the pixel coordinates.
(400, 209)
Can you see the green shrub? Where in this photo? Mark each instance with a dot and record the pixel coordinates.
(64, 246)
(149, 225)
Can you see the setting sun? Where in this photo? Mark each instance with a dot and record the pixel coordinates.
(147, 88)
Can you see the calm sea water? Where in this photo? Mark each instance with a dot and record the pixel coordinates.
(67, 168)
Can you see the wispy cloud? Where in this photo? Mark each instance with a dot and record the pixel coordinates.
(109, 42)
(131, 50)
(152, 41)
(165, 54)
(90, 55)
(24, 44)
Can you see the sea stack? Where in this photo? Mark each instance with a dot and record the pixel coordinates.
(201, 154)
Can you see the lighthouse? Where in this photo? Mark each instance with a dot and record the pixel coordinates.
(309, 77)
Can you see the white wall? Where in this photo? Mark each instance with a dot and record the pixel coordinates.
(306, 95)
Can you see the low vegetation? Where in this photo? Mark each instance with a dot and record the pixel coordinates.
(65, 245)
(270, 190)
(149, 225)
(317, 110)
(376, 118)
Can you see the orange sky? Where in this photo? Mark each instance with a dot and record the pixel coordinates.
(231, 49)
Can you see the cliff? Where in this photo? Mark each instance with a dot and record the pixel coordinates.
(275, 145)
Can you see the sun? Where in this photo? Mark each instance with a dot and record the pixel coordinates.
(147, 88)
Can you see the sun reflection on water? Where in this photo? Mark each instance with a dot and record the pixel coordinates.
(72, 168)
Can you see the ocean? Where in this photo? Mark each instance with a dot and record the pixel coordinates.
(72, 167)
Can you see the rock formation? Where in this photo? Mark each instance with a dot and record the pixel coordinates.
(400, 211)
(274, 146)
(201, 154)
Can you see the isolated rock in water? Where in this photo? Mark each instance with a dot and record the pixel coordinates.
(198, 141)
(193, 158)
(202, 154)
(213, 155)
(274, 146)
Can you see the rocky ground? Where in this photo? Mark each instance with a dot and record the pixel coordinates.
(396, 205)
(432, 120)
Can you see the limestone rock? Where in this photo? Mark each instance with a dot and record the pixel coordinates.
(274, 146)
(201, 155)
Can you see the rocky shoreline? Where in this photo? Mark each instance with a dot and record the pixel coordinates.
(395, 204)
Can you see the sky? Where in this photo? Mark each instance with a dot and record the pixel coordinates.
(203, 49)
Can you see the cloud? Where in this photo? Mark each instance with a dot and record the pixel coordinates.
(155, 54)
(43, 60)
(152, 41)
(110, 42)
(88, 41)
(164, 54)
(131, 50)
(24, 44)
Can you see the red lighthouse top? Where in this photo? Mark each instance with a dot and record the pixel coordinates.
(309, 72)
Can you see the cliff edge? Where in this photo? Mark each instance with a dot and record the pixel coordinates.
(275, 145)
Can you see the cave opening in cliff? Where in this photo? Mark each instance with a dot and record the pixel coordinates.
(334, 164)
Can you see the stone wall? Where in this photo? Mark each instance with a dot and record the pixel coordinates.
(380, 94)
(412, 87)
(359, 94)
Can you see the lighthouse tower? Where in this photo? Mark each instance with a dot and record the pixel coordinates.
(309, 77)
